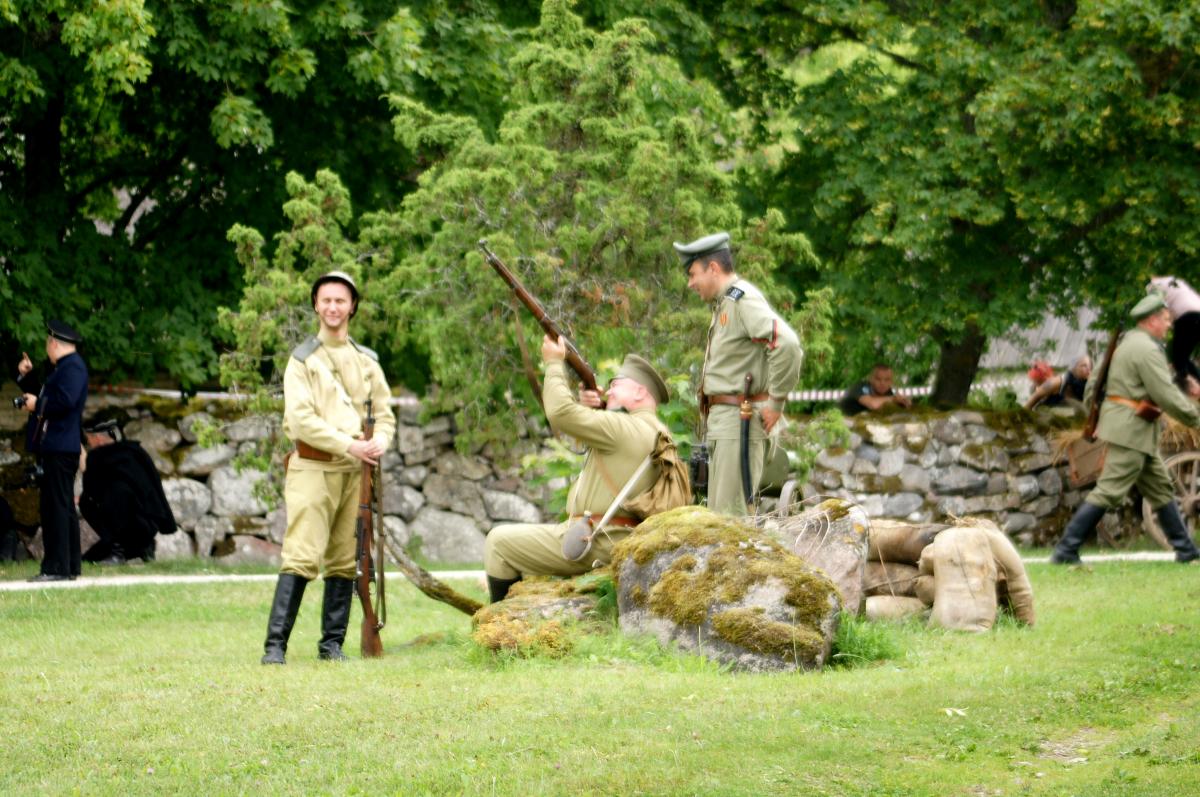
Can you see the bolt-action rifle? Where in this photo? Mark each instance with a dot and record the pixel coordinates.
(365, 571)
(574, 359)
(1097, 396)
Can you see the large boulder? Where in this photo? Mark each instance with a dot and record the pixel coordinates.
(831, 536)
(716, 586)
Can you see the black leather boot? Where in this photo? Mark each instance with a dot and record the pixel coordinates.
(1082, 523)
(498, 587)
(1177, 532)
(115, 557)
(335, 616)
(289, 591)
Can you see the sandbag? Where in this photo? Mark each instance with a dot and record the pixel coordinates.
(889, 578)
(889, 607)
(923, 588)
(1012, 582)
(895, 541)
(964, 575)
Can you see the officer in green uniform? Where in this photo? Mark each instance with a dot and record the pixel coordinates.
(618, 442)
(1138, 372)
(745, 337)
(325, 388)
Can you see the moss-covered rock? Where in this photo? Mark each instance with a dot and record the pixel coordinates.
(716, 586)
(537, 615)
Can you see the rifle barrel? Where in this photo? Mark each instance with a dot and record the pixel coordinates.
(578, 364)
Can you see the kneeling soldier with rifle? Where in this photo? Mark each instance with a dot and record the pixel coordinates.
(620, 444)
(327, 386)
(1137, 388)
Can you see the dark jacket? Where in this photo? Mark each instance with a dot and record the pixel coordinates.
(127, 463)
(55, 426)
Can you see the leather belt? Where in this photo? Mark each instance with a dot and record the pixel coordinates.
(305, 451)
(734, 398)
(627, 522)
(1145, 409)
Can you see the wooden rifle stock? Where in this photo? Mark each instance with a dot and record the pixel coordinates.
(1093, 417)
(574, 359)
(372, 645)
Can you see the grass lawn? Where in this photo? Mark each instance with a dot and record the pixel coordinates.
(158, 689)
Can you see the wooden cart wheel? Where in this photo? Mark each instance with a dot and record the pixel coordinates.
(1185, 472)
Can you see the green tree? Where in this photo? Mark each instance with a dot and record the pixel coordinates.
(607, 154)
(136, 132)
(961, 167)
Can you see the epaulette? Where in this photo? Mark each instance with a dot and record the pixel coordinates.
(305, 349)
(735, 292)
(369, 352)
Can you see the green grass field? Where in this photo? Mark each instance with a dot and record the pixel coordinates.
(158, 689)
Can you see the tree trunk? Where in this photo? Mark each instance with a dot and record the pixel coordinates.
(958, 363)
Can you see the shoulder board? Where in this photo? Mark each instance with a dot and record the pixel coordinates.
(305, 349)
(369, 352)
(735, 292)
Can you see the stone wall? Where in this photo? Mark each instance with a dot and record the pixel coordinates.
(920, 467)
(932, 467)
(436, 502)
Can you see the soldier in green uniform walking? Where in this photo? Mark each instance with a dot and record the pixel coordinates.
(745, 337)
(325, 388)
(618, 443)
(1138, 373)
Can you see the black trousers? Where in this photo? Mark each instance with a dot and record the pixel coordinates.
(1185, 335)
(116, 517)
(60, 523)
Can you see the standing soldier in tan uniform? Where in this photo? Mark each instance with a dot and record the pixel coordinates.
(325, 388)
(745, 337)
(618, 443)
(1138, 373)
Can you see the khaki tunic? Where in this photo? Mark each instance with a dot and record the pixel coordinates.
(745, 337)
(324, 405)
(618, 442)
(1138, 370)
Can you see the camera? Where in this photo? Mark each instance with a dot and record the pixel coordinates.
(19, 403)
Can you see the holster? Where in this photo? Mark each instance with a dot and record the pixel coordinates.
(1144, 408)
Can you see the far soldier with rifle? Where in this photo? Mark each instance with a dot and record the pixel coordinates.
(327, 386)
(1130, 392)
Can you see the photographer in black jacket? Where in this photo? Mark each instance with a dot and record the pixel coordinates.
(53, 435)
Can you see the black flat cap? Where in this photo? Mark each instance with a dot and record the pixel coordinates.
(63, 331)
